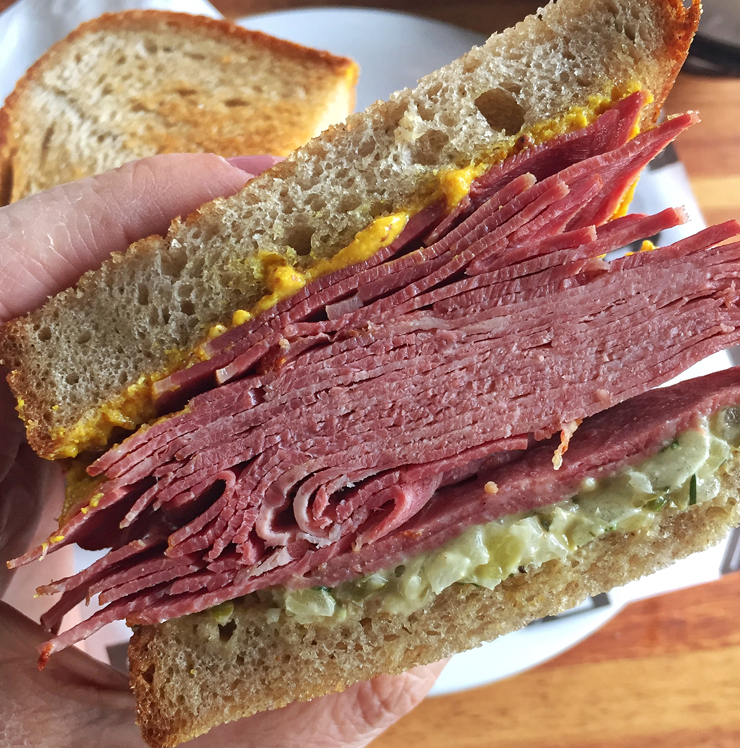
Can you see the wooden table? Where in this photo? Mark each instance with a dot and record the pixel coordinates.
(665, 673)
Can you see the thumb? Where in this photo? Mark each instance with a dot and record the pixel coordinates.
(49, 239)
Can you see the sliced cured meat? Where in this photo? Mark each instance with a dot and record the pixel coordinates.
(358, 420)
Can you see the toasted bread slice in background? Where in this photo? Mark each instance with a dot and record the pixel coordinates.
(133, 84)
(310, 206)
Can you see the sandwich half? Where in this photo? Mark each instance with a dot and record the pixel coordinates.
(394, 399)
(137, 83)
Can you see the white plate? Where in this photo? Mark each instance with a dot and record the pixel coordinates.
(393, 50)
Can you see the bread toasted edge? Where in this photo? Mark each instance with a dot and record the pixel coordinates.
(133, 20)
(191, 674)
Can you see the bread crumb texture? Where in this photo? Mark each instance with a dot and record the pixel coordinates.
(193, 673)
(133, 84)
(164, 293)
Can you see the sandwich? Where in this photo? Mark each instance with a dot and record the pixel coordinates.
(394, 398)
(137, 83)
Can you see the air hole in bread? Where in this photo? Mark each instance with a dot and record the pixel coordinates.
(185, 291)
(350, 201)
(148, 674)
(427, 113)
(150, 46)
(501, 110)
(195, 55)
(434, 89)
(138, 107)
(316, 203)
(44, 334)
(142, 294)
(84, 337)
(72, 378)
(299, 238)
(186, 92)
(196, 268)
(231, 103)
(428, 146)
(226, 631)
(6, 182)
(472, 64)
(173, 263)
(366, 147)
(630, 31)
(187, 307)
(45, 143)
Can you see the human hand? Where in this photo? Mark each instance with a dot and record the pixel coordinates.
(46, 242)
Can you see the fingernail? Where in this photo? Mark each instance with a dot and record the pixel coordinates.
(254, 164)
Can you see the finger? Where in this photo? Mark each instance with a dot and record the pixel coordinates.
(29, 481)
(49, 239)
(21, 583)
(11, 428)
(350, 719)
(75, 701)
(254, 165)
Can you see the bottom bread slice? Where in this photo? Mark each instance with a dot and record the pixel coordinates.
(193, 673)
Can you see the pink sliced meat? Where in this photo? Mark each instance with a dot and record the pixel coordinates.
(602, 445)
(357, 422)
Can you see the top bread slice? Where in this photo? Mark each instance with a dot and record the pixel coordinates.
(165, 292)
(134, 84)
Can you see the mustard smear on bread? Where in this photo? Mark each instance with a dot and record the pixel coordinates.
(283, 277)
(684, 472)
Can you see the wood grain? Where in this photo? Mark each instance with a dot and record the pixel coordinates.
(663, 673)
(710, 150)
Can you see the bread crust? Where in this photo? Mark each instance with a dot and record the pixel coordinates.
(189, 674)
